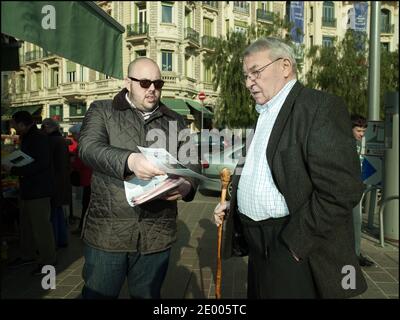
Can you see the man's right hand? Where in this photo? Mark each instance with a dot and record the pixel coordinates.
(142, 168)
(219, 212)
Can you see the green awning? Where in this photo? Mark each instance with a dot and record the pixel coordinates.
(197, 106)
(178, 105)
(78, 31)
(11, 110)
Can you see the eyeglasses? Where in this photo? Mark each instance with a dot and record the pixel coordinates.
(146, 83)
(256, 73)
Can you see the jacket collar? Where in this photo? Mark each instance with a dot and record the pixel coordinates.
(119, 103)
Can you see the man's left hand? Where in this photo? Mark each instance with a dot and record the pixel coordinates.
(180, 192)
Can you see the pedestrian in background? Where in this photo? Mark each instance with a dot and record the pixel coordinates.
(359, 127)
(63, 189)
(36, 181)
(83, 176)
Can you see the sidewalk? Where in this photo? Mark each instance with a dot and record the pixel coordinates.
(192, 266)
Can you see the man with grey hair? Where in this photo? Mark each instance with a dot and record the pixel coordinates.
(123, 241)
(291, 208)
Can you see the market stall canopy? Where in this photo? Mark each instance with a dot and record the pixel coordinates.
(178, 105)
(33, 110)
(197, 106)
(78, 31)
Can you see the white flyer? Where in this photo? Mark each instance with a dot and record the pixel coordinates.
(166, 162)
(137, 187)
(17, 159)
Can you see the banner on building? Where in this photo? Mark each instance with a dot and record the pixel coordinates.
(297, 18)
(360, 16)
(357, 17)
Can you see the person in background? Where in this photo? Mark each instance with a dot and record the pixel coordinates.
(359, 127)
(36, 181)
(84, 174)
(63, 189)
(73, 153)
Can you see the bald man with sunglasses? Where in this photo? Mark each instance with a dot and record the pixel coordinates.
(124, 242)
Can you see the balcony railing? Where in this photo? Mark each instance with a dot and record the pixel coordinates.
(265, 15)
(169, 78)
(33, 55)
(137, 29)
(206, 41)
(73, 88)
(329, 22)
(192, 35)
(241, 9)
(387, 28)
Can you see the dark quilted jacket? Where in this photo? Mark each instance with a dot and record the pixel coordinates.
(110, 132)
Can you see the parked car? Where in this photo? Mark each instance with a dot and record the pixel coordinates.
(211, 142)
(213, 163)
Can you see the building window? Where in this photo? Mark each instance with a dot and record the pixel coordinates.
(21, 85)
(71, 71)
(71, 76)
(207, 27)
(140, 53)
(385, 46)
(77, 109)
(385, 21)
(241, 4)
(188, 19)
(38, 81)
(82, 73)
(166, 13)
(328, 13)
(265, 6)
(166, 57)
(53, 77)
(56, 112)
(207, 75)
(327, 41)
(311, 14)
(311, 41)
(142, 15)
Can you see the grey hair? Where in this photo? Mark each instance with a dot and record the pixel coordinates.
(277, 48)
(134, 62)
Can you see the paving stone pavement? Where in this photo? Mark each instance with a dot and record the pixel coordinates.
(192, 265)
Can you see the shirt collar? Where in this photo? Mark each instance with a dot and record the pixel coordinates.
(268, 106)
(146, 115)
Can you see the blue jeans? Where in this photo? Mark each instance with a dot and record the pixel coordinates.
(60, 227)
(104, 273)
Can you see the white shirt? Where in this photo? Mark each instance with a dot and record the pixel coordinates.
(257, 195)
(146, 115)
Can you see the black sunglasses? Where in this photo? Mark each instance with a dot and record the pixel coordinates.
(146, 83)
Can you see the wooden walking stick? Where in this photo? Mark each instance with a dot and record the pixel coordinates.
(225, 176)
